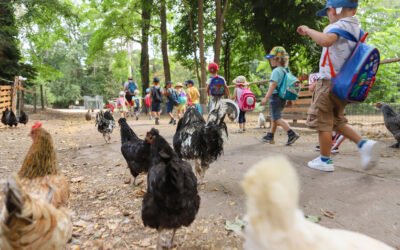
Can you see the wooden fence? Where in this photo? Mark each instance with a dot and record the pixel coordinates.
(5, 97)
(12, 96)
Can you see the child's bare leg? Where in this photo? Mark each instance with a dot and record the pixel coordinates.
(274, 126)
(283, 124)
(350, 133)
(325, 143)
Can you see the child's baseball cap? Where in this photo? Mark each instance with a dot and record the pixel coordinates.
(277, 51)
(337, 4)
(189, 82)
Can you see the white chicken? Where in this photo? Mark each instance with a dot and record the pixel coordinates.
(276, 223)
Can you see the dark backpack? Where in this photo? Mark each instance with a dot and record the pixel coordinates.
(156, 94)
(217, 86)
(173, 97)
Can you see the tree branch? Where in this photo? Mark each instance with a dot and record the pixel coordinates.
(391, 60)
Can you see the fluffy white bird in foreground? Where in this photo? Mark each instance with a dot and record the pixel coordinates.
(275, 221)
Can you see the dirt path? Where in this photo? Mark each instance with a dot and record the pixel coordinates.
(107, 209)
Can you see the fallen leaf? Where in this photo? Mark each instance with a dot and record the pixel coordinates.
(313, 218)
(328, 214)
(237, 226)
(77, 179)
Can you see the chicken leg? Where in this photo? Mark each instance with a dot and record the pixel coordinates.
(171, 242)
(396, 145)
(201, 169)
(162, 245)
(200, 172)
(159, 240)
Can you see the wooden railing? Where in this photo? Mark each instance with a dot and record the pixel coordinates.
(5, 97)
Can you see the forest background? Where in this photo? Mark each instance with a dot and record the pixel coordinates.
(90, 47)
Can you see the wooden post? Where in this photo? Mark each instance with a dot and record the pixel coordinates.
(34, 99)
(41, 96)
(14, 94)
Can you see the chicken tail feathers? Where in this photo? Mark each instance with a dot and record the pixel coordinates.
(15, 197)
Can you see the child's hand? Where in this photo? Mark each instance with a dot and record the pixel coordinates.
(302, 30)
(263, 101)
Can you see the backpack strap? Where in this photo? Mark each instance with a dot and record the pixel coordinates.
(346, 35)
(279, 86)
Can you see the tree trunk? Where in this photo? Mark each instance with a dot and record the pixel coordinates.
(220, 14)
(164, 41)
(260, 22)
(144, 57)
(202, 83)
(227, 60)
(194, 43)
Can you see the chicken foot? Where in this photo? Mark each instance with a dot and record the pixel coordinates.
(168, 245)
(200, 172)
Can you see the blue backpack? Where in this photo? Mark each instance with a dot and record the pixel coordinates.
(289, 87)
(182, 98)
(132, 87)
(355, 79)
(217, 86)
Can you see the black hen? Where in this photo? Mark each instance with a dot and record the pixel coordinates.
(135, 150)
(23, 118)
(9, 118)
(392, 122)
(196, 139)
(105, 124)
(172, 199)
(4, 116)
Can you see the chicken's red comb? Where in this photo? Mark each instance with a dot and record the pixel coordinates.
(37, 125)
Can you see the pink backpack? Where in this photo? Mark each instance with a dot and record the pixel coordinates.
(247, 101)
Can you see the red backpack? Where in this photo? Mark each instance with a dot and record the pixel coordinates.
(147, 100)
(247, 101)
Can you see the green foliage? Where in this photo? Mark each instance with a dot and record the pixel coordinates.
(80, 47)
(9, 52)
(381, 18)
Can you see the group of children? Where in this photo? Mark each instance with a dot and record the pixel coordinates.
(176, 97)
(326, 113)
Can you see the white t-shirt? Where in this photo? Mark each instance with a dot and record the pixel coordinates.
(340, 51)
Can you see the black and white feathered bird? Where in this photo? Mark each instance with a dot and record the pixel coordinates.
(171, 200)
(135, 150)
(105, 124)
(196, 139)
(392, 121)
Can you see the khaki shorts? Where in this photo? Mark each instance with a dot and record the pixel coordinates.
(326, 112)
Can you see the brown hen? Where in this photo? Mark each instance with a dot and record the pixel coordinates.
(39, 170)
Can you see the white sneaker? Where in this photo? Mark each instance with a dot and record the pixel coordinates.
(318, 164)
(369, 154)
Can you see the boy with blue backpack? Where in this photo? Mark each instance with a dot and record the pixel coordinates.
(279, 60)
(129, 88)
(326, 112)
(216, 86)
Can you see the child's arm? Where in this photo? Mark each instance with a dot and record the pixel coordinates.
(272, 87)
(322, 39)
